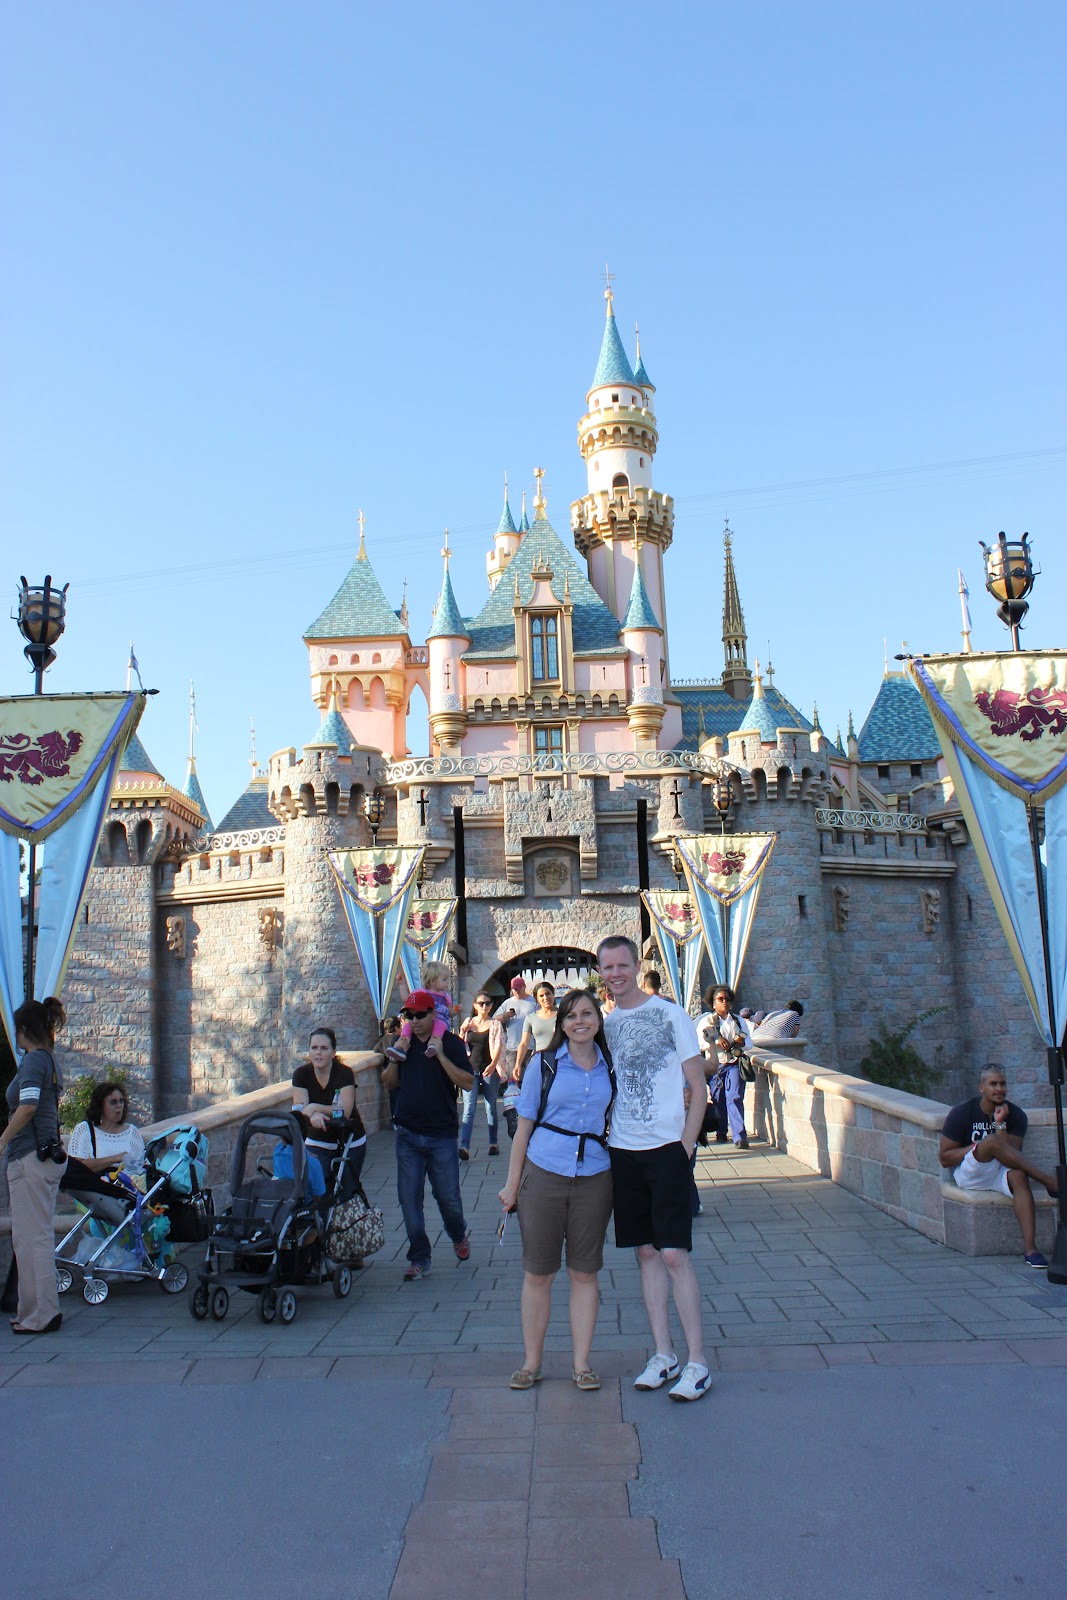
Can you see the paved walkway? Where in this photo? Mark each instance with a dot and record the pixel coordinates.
(534, 1495)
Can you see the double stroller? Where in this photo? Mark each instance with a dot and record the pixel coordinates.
(125, 1236)
(273, 1235)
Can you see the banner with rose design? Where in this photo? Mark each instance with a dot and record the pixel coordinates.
(429, 924)
(59, 757)
(724, 873)
(377, 887)
(1001, 720)
(678, 937)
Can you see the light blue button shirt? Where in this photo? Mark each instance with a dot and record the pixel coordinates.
(579, 1101)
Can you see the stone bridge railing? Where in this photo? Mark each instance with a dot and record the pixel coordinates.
(882, 1145)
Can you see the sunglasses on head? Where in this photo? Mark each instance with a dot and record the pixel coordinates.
(414, 1014)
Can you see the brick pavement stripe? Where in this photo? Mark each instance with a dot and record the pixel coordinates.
(225, 1370)
(479, 1477)
(844, 1355)
(84, 1372)
(448, 1520)
(616, 1472)
(926, 1353)
(595, 1500)
(578, 1538)
(1041, 1352)
(771, 1358)
(638, 1580)
(430, 1569)
(302, 1368)
(561, 1443)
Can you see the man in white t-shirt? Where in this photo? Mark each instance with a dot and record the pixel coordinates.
(513, 1014)
(653, 1135)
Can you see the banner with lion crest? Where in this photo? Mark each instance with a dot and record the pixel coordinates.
(676, 927)
(376, 888)
(429, 924)
(724, 873)
(1001, 720)
(59, 757)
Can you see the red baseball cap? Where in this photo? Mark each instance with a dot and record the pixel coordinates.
(518, 983)
(418, 1000)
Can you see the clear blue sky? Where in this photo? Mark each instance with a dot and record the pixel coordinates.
(265, 263)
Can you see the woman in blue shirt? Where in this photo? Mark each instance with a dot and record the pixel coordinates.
(559, 1178)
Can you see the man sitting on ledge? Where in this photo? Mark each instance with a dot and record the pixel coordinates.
(982, 1141)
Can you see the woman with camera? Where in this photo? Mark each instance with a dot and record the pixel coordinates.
(36, 1162)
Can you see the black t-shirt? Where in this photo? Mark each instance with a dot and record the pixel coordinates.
(968, 1123)
(426, 1098)
(341, 1077)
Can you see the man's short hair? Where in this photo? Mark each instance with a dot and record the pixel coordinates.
(990, 1069)
(795, 1005)
(618, 941)
(653, 980)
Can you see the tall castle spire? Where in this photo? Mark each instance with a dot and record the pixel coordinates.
(736, 678)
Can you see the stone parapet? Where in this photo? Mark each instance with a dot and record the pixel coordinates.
(882, 1145)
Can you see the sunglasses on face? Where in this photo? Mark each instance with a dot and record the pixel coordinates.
(411, 1015)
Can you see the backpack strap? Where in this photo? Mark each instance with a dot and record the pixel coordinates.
(548, 1077)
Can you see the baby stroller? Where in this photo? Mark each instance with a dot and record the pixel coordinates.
(273, 1234)
(124, 1235)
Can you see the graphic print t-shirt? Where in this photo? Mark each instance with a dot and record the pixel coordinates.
(648, 1045)
(968, 1123)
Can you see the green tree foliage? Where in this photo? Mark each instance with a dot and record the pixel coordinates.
(74, 1105)
(892, 1061)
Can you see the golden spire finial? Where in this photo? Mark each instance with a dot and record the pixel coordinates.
(727, 536)
(362, 552)
(539, 497)
(445, 551)
(609, 279)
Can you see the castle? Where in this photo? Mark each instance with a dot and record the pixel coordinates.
(565, 761)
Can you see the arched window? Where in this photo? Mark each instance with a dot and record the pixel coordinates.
(376, 659)
(377, 695)
(355, 661)
(620, 481)
(332, 661)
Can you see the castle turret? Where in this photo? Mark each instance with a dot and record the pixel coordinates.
(618, 438)
(505, 541)
(736, 678)
(643, 638)
(446, 642)
(358, 649)
(191, 787)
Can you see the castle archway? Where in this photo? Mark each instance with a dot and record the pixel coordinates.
(563, 965)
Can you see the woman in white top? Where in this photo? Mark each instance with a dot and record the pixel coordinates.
(104, 1141)
(538, 1027)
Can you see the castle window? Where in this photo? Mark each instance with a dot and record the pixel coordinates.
(544, 648)
(640, 461)
(916, 769)
(620, 481)
(614, 399)
(548, 741)
(883, 773)
(332, 662)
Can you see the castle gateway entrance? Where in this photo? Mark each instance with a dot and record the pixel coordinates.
(563, 966)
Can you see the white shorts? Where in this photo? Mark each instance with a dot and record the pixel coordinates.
(972, 1174)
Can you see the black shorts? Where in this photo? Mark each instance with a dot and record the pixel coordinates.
(652, 1197)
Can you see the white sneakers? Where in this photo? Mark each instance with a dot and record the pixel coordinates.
(693, 1381)
(693, 1384)
(660, 1370)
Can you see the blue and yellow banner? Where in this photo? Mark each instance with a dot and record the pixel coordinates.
(54, 749)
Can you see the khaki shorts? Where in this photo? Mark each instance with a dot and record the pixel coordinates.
(553, 1210)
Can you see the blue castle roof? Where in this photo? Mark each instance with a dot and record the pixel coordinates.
(137, 759)
(447, 622)
(721, 714)
(595, 628)
(334, 730)
(898, 725)
(249, 810)
(507, 521)
(192, 791)
(761, 717)
(614, 365)
(641, 376)
(359, 609)
(639, 613)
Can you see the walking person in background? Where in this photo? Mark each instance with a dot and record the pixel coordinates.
(513, 1014)
(36, 1162)
(722, 1039)
(538, 1027)
(654, 1130)
(426, 1127)
(484, 1037)
(559, 1176)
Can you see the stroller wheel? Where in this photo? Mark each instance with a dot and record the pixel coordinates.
(198, 1305)
(342, 1281)
(95, 1291)
(64, 1279)
(220, 1303)
(268, 1305)
(174, 1279)
(287, 1305)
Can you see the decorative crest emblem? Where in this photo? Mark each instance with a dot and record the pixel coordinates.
(31, 761)
(727, 863)
(1029, 715)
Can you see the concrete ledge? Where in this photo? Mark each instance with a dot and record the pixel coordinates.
(882, 1145)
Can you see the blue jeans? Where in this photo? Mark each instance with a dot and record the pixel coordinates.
(728, 1094)
(418, 1157)
(489, 1086)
